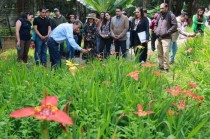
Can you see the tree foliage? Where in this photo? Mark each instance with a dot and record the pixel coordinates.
(105, 5)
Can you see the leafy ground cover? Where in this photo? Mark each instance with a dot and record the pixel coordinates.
(112, 98)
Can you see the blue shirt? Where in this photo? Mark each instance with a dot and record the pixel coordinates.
(64, 32)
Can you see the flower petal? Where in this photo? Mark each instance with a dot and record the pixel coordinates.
(139, 107)
(61, 117)
(53, 100)
(24, 112)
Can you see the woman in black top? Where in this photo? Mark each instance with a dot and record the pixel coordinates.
(90, 35)
(140, 24)
(23, 28)
(105, 35)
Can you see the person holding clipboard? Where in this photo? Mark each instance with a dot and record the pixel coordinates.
(140, 34)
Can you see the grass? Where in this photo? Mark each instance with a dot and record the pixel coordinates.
(103, 98)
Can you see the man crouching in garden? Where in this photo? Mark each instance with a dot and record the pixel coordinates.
(60, 34)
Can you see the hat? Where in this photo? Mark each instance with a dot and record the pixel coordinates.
(56, 10)
(90, 16)
(145, 11)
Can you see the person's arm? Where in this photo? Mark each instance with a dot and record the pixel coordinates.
(147, 29)
(173, 23)
(49, 29)
(126, 27)
(111, 28)
(71, 40)
(17, 26)
(195, 21)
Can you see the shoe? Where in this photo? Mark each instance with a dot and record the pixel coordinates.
(161, 68)
(171, 62)
(166, 70)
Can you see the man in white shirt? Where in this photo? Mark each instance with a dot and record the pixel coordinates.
(60, 34)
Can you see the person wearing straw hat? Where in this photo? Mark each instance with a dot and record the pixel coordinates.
(89, 35)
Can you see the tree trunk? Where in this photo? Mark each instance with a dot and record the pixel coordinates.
(144, 3)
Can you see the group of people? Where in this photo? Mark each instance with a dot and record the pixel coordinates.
(100, 34)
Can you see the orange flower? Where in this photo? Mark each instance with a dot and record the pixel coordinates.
(47, 111)
(142, 113)
(156, 73)
(175, 91)
(180, 105)
(195, 62)
(189, 50)
(198, 97)
(189, 93)
(134, 75)
(148, 65)
(193, 85)
(170, 112)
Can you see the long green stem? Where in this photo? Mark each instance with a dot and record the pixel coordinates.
(45, 133)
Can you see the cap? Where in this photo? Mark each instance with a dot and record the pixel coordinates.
(56, 10)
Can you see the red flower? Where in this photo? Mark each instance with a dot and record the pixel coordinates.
(142, 113)
(189, 50)
(148, 65)
(175, 92)
(193, 85)
(134, 75)
(47, 111)
(180, 105)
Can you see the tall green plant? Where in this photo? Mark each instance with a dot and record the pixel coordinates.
(105, 5)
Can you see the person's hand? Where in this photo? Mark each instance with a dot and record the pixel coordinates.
(116, 37)
(18, 43)
(192, 35)
(84, 51)
(42, 37)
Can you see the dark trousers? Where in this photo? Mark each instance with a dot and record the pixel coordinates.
(153, 39)
(87, 45)
(23, 51)
(120, 45)
(105, 44)
(61, 49)
(77, 53)
(55, 57)
(142, 52)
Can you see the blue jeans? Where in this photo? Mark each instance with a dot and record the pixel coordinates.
(40, 54)
(173, 48)
(55, 57)
(70, 49)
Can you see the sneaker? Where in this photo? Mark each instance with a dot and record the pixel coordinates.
(171, 62)
(166, 70)
(161, 68)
